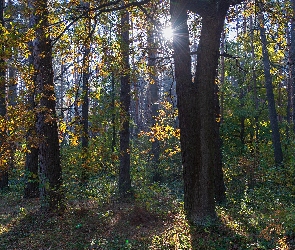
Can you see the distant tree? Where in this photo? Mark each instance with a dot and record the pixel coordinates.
(85, 96)
(276, 138)
(154, 99)
(3, 165)
(49, 152)
(31, 163)
(219, 185)
(292, 62)
(125, 99)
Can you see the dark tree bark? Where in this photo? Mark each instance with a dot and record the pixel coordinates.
(219, 186)
(251, 179)
(3, 146)
(49, 152)
(113, 145)
(276, 138)
(31, 164)
(125, 99)
(85, 104)
(196, 104)
(292, 62)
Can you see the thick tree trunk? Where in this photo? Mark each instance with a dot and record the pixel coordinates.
(207, 62)
(276, 140)
(3, 167)
(196, 108)
(49, 153)
(125, 99)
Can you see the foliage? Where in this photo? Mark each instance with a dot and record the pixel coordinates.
(260, 211)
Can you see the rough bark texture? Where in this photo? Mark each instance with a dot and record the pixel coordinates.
(49, 153)
(3, 167)
(196, 106)
(276, 139)
(125, 99)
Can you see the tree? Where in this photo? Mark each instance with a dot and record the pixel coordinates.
(31, 163)
(125, 99)
(292, 62)
(49, 153)
(154, 100)
(85, 93)
(276, 140)
(196, 105)
(3, 165)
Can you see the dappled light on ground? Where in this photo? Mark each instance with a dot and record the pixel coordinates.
(89, 224)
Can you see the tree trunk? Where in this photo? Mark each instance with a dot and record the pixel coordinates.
(196, 108)
(219, 185)
(220, 196)
(154, 101)
(292, 62)
(85, 104)
(31, 163)
(125, 99)
(251, 179)
(276, 140)
(49, 152)
(113, 145)
(3, 167)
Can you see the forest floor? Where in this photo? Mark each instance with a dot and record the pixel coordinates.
(114, 225)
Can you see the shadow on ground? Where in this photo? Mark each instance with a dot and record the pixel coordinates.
(85, 225)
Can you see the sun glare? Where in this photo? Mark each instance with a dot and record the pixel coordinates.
(167, 33)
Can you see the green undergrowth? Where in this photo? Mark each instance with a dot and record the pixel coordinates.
(153, 220)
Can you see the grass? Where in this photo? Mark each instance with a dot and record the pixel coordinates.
(157, 222)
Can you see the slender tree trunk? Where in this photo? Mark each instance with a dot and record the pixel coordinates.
(125, 99)
(289, 96)
(222, 76)
(85, 104)
(276, 140)
(219, 185)
(154, 100)
(251, 179)
(292, 63)
(3, 146)
(49, 152)
(31, 163)
(113, 146)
